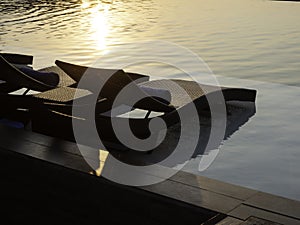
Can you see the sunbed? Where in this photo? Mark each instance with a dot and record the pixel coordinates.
(54, 89)
(169, 109)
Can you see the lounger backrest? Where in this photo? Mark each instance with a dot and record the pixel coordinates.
(113, 81)
(17, 58)
(14, 76)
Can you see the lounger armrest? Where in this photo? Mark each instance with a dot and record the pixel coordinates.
(18, 58)
(137, 96)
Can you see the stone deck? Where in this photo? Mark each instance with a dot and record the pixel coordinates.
(220, 203)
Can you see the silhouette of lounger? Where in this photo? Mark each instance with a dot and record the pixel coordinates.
(169, 105)
(57, 89)
(179, 103)
(16, 74)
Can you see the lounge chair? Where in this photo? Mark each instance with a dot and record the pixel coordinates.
(15, 69)
(57, 89)
(17, 72)
(169, 108)
(47, 95)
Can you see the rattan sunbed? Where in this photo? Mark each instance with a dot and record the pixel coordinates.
(15, 79)
(59, 96)
(140, 126)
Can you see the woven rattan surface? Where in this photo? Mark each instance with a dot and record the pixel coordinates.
(182, 91)
(63, 94)
(64, 79)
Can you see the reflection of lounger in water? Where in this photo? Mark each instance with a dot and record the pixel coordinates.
(168, 106)
(238, 114)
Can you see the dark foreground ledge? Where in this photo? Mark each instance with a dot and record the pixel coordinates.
(46, 181)
(43, 193)
(36, 191)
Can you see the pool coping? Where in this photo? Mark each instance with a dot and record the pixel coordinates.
(238, 203)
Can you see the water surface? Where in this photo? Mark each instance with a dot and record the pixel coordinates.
(250, 43)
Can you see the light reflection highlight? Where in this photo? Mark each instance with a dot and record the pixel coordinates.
(100, 26)
(85, 4)
(97, 20)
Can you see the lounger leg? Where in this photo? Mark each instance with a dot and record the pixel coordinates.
(148, 114)
(25, 92)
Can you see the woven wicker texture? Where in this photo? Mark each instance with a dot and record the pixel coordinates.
(182, 91)
(63, 94)
(64, 79)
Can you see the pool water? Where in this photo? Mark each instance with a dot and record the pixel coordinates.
(249, 43)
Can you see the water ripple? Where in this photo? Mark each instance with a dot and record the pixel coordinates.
(241, 40)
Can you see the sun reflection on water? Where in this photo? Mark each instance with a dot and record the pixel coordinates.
(85, 4)
(97, 20)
